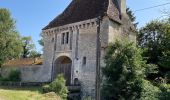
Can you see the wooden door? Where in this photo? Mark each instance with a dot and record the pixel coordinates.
(65, 69)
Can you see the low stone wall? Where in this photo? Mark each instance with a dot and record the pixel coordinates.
(32, 73)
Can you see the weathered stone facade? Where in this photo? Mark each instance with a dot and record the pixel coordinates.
(32, 74)
(79, 45)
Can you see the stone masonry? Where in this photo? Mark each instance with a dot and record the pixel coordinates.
(80, 44)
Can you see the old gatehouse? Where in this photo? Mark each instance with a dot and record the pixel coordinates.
(70, 40)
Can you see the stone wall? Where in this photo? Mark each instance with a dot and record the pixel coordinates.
(28, 73)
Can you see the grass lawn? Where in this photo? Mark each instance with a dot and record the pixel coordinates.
(29, 93)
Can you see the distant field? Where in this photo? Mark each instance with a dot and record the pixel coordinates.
(31, 93)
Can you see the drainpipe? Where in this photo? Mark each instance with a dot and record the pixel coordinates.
(98, 53)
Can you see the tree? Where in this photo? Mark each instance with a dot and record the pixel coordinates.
(154, 39)
(28, 46)
(10, 41)
(34, 54)
(132, 17)
(41, 41)
(124, 74)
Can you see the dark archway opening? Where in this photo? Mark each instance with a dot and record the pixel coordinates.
(63, 66)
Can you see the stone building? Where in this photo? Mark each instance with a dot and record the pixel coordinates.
(70, 40)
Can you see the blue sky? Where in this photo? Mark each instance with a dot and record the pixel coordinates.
(32, 15)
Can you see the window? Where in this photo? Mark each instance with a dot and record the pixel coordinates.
(52, 40)
(63, 36)
(92, 24)
(84, 25)
(84, 61)
(67, 37)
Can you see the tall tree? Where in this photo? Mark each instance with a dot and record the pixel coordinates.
(28, 46)
(124, 74)
(10, 41)
(154, 39)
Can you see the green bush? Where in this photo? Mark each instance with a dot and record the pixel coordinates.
(165, 92)
(2, 79)
(125, 74)
(149, 91)
(15, 75)
(167, 76)
(57, 86)
(46, 88)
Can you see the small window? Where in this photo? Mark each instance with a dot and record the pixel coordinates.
(79, 26)
(52, 40)
(63, 36)
(84, 25)
(84, 61)
(88, 24)
(67, 37)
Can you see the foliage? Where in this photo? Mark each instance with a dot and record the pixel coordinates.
(124, 73)
(132, 16)
(41, 41)
(149, 91)
(10, 41)
(167, 76)
(34, 54)
(15, 75)
(57, 86)
(165, 92)
(28, 46)
(154, 39)
(46, 88)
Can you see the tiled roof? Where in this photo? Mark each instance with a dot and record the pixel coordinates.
(80, 10)
(23, 62)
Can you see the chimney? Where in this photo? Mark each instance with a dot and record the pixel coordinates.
(123, 7)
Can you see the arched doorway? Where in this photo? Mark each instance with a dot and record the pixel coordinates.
(63, 66)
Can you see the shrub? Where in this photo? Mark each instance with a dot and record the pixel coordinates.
(46, 88)
(15, 75)
(165, 92)
(57, 86)
(167, 76)
(2, 79)
(149, 91)
(125, 74)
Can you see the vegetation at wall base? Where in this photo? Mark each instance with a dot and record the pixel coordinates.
(58, 86)
(14, 76)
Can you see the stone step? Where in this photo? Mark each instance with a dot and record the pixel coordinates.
(73, 89)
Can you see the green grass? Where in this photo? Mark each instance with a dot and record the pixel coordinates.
(29, 93)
